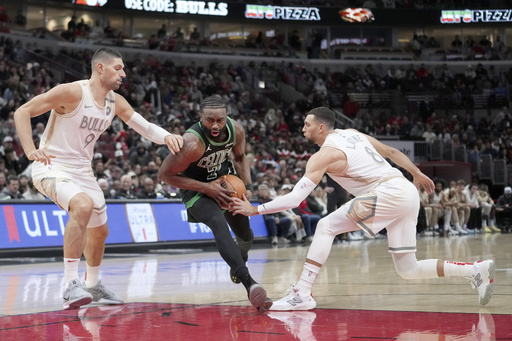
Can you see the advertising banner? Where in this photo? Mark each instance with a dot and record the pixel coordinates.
(33, 225)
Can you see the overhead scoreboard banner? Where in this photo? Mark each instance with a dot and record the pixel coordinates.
(311, 15)
(33, 225)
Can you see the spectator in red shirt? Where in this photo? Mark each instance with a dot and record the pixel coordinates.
(351, 107)
(4, 20)
(422, 72)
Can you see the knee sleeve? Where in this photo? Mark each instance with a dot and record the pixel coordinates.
(408, 267)
(322, 242)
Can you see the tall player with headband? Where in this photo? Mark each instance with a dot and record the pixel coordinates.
(80, 112)
(384, 198)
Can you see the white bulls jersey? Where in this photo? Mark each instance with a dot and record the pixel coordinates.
(71, 137)
(366, 168)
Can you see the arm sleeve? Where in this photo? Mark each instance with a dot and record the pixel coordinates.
(150, 131)
(290, 200)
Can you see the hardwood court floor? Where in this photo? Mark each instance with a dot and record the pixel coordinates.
(187, 294)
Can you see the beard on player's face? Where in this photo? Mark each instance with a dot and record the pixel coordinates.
(214, 132)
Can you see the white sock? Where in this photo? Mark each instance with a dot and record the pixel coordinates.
(71, 269)
(308, 276)
(92, 276)
(459, 269)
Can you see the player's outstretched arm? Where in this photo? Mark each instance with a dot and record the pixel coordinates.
(315, 169)
(149, 130)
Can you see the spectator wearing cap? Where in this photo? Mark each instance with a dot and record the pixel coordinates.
(7, 142)
(504, 210)
(11, 189)
(98, 157)
(277, 224)
(119, 158)
(140, 155)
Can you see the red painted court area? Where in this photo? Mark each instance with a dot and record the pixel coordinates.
(158, 321)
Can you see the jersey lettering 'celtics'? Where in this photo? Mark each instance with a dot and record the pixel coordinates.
(214, 162)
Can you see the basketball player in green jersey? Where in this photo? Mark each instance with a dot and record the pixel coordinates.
(198, 169)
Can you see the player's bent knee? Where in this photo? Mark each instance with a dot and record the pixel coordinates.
(81, 204)
(324, 227)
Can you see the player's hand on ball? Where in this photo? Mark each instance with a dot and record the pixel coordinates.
(220, 194)
(244, 207)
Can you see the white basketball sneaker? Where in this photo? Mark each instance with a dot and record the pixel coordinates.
(295, 299)
(76, 295)
(483, 279)
(101, 294)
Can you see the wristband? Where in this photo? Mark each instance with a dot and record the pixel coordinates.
(249, 187)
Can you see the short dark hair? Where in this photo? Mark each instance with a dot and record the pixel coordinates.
(104, 53)
(324, 115)
(213, 102)
(11, 178)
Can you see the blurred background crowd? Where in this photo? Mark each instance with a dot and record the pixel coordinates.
(168, 92)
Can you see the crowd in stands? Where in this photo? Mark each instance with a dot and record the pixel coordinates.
(459, 208)
(126, 165)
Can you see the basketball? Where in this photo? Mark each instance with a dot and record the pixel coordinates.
(234, 183)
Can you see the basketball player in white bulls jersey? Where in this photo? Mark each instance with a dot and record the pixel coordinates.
(384, 198)
(80, 112)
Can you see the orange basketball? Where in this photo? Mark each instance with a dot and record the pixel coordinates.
(234, 183)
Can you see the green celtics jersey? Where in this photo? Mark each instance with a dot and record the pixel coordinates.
(213, 164)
